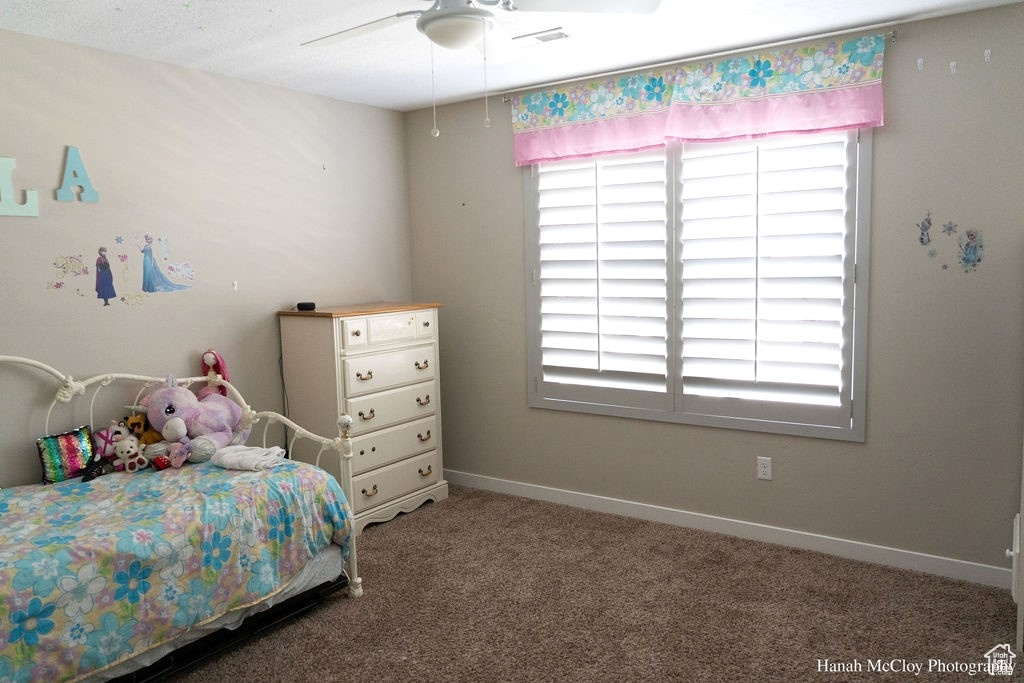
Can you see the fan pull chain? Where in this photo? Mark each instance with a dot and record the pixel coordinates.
(433, 94)
(487, 116)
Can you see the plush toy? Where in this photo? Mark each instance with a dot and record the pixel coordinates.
(94, 468)
(143, 431)
(193, 428)
(159, 462)
(103, 440)
(129, 455)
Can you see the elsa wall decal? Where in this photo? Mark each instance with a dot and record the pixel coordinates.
(971, 248)
(153, 279)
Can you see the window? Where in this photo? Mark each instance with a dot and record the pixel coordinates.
(721, 284)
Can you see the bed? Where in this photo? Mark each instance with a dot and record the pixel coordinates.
(111, 577)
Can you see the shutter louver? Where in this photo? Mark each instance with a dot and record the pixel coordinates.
(764, 229)
(603, 272)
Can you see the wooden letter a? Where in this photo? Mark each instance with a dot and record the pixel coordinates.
(75, 174)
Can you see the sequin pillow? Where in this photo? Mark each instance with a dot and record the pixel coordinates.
(66, 455)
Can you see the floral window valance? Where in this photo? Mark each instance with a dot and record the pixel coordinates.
(828, 85)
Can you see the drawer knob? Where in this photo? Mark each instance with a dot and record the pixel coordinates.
(368, 376)
(372, 493)
(366, 417)
(423, 366)
(421, 437)
(430, 470)
(357, 333)
(423, 401)
(426, 323)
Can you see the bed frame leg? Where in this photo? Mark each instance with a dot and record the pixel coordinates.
(355, 588)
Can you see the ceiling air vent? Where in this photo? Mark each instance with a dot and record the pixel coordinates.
(553, 35)
(545, 36)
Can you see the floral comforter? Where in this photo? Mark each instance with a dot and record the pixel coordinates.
(95, 573)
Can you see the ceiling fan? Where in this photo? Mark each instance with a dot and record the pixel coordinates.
(456, 24)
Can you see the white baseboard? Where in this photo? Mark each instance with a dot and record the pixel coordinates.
(989, 575)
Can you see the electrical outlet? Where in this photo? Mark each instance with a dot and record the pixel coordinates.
(764, 468)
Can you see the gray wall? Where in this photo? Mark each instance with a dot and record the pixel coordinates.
(291, 196)
(940, 470)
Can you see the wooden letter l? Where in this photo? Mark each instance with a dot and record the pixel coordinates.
(9, 207)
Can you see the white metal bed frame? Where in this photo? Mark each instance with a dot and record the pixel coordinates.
(339, 447)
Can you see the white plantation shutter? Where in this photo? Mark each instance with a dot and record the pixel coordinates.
(602, 275)
(764, 231)
(717, 288)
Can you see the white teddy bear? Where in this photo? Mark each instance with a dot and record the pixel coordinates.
(128, 454)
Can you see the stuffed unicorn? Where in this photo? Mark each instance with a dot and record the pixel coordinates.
(193, 427)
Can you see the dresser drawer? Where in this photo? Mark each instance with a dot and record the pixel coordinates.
(390, 482)
(352, 333)
(355, 333)
(390, 445)
(426, 322)
(386, 408)
(391, 328)
(377, 371)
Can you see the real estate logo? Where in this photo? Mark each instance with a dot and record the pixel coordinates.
(1000, 660)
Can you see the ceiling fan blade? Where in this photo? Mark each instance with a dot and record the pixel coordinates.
(361, 29)
(571, 6)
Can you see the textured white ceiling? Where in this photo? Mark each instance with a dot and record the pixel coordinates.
(260, 40)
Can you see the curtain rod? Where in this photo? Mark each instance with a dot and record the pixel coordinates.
(892, 26)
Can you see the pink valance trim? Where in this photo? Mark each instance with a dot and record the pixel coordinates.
(813, 112)
(619, 134)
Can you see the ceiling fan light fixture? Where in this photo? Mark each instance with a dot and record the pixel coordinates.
(456, 27)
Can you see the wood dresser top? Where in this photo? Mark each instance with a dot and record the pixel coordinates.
(362, 309)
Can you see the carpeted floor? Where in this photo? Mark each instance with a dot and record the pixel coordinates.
(489, 587)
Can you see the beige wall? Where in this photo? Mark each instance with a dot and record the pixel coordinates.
(292, 196)
(297, 197)
(940, 470)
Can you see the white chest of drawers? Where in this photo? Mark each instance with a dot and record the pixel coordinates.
(377, 363)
